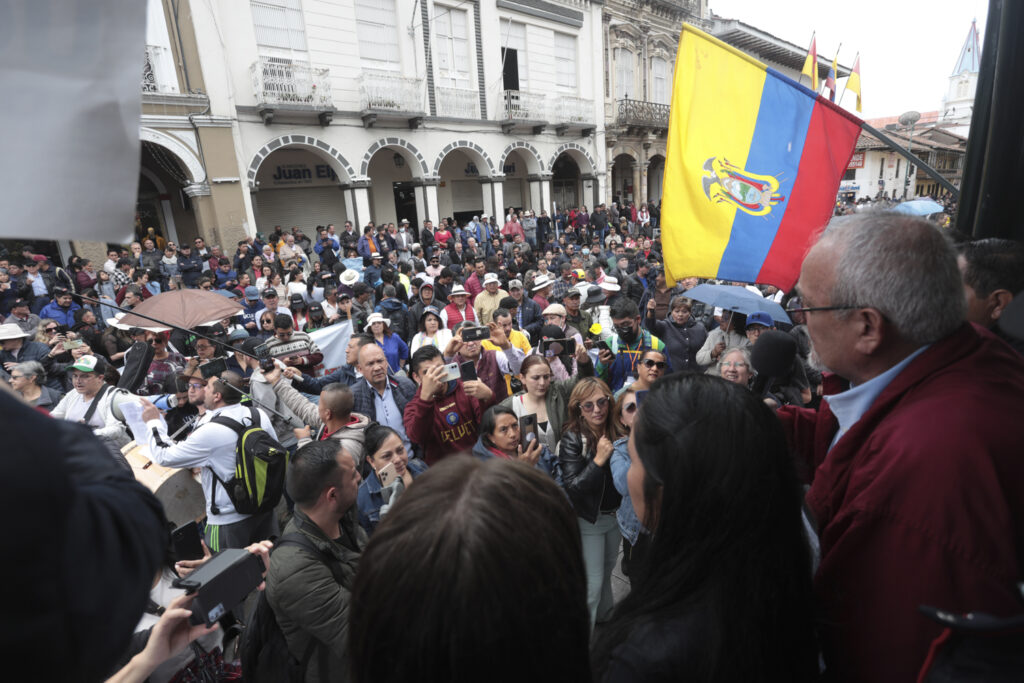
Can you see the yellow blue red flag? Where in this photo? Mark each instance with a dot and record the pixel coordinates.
(753, 165)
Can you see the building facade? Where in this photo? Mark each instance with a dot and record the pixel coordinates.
(382, 110)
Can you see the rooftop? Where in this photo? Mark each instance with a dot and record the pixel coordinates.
(752, 39)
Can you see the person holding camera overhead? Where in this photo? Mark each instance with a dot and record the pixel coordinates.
(491, 367)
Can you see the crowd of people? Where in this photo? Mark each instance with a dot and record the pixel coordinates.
(519, 408)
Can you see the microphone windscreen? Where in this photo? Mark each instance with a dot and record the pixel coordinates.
(773, 354)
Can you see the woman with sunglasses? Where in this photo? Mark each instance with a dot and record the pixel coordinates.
(266, 325)
(584, 454)
(649, 368)
(725, 594)
(165, 364)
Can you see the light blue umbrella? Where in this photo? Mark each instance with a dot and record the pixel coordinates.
(739, 299)
(919, 207)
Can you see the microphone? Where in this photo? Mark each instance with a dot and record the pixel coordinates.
(772, 357)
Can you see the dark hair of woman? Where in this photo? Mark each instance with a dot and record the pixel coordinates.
(468, 530)
(726, 590)
(576, 423)
(375, 436)
(489, 422)
(530, 361)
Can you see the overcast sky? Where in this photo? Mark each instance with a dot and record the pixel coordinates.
(908, 48)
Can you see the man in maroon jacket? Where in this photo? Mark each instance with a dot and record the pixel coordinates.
(442, 417)
(917, 480)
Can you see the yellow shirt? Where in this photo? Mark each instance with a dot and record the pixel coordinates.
(517, 338)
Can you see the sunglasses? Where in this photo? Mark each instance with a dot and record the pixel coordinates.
(52, 329)
(649, 363)
(591, 406)
(629, 408)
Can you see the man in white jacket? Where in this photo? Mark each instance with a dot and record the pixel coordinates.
(90, 401)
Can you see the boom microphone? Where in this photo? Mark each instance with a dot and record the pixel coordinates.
(772, 357)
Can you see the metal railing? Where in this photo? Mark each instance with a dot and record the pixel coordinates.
(457, 102)
(525, 106)
(155, 56)
(390, 91)
(642, 113)
(572, 110)
(276, 81)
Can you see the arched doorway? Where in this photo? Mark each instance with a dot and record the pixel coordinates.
(392, 191)
(622, 179)
(655, 178)
(459, 190)
(297, 187)
(516, 187)
(161, 202)
(566, 190)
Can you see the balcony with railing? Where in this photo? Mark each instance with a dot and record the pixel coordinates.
(641, 114)
(388, 94)
(282, 86)
(524, 109)
(459, 103)
(572, 112)
(157, 71)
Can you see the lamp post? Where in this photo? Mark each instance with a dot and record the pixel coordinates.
(909, 119)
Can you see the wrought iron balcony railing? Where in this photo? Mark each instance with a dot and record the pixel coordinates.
(525, 106)
(457, 102)
(276, 82)
(390, 91)
(642, 113)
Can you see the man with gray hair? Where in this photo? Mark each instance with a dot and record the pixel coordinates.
(916, 479)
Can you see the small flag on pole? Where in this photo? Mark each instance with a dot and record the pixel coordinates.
(811, 64)
(853, 82)
(753, 166)
(830, 80)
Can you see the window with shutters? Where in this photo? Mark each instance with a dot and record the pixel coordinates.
(451, 48)
(565, 61)
(624, 72)
(513, 40)
(377, 27)
(280, 28)
(659, 81)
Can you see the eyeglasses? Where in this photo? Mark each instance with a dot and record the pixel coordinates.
(196, 385)
(206, 287)
(629, 408)
(824, 308)
(591, 406)
(13, 376)
(734, 364)
(649, 363)
(52, 329)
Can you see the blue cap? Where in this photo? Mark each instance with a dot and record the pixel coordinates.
(252, 294)
(760, 318)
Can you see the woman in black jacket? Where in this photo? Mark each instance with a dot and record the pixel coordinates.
(682, 334)
(583, 453)
(725, 593)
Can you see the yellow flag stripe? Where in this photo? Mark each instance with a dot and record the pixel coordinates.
(708, 74)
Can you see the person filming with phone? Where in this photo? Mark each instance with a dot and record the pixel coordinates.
(392, 470)
(489, 367)
(503, 435)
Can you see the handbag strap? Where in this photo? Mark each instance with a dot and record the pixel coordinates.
(95, 404)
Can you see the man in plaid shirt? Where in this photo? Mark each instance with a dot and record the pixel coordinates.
(563, 284)
(122, 274)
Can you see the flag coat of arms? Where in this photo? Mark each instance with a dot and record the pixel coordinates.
(753, 166)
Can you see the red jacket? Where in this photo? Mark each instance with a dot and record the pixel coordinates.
(920, 502)
(444, 426)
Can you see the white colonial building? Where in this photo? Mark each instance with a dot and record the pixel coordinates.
(388, 109)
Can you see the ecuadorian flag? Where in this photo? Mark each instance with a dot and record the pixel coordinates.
(754, 164)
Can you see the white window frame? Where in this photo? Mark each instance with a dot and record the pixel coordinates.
(280, 29)
(625, 73)
(452, 53)
(513, 36)
(377, 31)
(565, 52)
(660, 84)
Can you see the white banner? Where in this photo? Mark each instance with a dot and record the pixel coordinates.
(332, 341)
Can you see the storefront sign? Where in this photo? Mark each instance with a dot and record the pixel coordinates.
(856, 161)
(303, 174)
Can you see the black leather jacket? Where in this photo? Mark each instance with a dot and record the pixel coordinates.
(590, 487)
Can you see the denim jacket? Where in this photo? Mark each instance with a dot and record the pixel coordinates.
(629, 524)
(372, 497)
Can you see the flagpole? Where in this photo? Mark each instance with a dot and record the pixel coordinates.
(909, 156)
(847, 79)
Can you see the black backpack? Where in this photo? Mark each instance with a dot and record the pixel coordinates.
(265, 656)
(260, 466)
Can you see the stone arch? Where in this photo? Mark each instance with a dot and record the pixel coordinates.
(627, 150)
(578, 152)
(341, 166)
(476, 152)
(409, 151)
(179, 149)
(533, 157)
